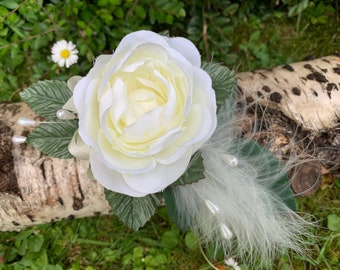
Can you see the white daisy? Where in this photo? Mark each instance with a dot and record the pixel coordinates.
(64, 53)
(231, 262)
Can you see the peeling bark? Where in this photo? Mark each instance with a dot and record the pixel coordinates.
(39, 189)
(302, 109)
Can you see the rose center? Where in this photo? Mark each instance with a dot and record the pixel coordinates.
(141, 101)
(145, 92)
(65, 54)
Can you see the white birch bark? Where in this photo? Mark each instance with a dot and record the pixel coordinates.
(307, 92)
(49, 189)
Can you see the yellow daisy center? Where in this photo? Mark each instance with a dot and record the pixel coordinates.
(65, 54)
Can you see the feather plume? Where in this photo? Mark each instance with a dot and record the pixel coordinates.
(236, 206)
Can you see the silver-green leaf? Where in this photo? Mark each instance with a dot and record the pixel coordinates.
(134, 212)
(53, 138)
(47, 97)
(194, 171)
(223, 80)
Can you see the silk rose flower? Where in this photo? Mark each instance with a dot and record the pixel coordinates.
(143, 112)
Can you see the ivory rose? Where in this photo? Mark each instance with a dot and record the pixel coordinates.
(143, 111)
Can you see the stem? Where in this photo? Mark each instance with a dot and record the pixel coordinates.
(206, 258)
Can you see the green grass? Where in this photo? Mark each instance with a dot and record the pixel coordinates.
(105, 243)
(248, 41)
(324, 205)
(276, 42)
(100, 243)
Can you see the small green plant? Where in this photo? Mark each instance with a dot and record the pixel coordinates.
(27, 251)
(210, 20)
(315, 12)
(220, 29)
(29, 28)
(99, 243)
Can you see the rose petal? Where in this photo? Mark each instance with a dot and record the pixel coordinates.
(187, 49)
(119, 103)
(122, 162)
(79, 94)
(72, 82)
(142, 131)
(69, 105)
(197, 130)
(164, 141)
(102, 60)
(135, 39)
(161, 177)
(78, 148)
(111, 179)
(89, 124)
(204, 93)
(102, 70)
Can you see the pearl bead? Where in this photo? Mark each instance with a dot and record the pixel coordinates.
(63, 114)
(226, 232)
(212, 207)
(26, 122)
(230, 160)
(18, 139)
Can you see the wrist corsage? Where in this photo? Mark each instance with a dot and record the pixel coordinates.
(158, 126)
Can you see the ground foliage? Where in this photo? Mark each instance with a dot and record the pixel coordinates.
(244, 35)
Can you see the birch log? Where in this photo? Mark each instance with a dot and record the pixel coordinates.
(306, 92)
(35, 188)
(302, 102)
(38, 189)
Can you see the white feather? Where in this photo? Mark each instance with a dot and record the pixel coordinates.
(234, 206)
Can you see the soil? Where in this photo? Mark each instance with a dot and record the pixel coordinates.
(319, 152)
(8, 180)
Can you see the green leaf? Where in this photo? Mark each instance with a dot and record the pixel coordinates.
(333, 222)
(9, 4)
(47, 97)
(152, 16)
(171, 238)
(230, 9)
(337, 182)
(191, 241)
(35, 243)
(194, 171)
(268, 166)
(140, 12)
(223, 80)
(101, 3)
(133, 211)
(3, 12)
(53, 139)
(23, 235)
(170, 203)
(181, 13)
(22, 249)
